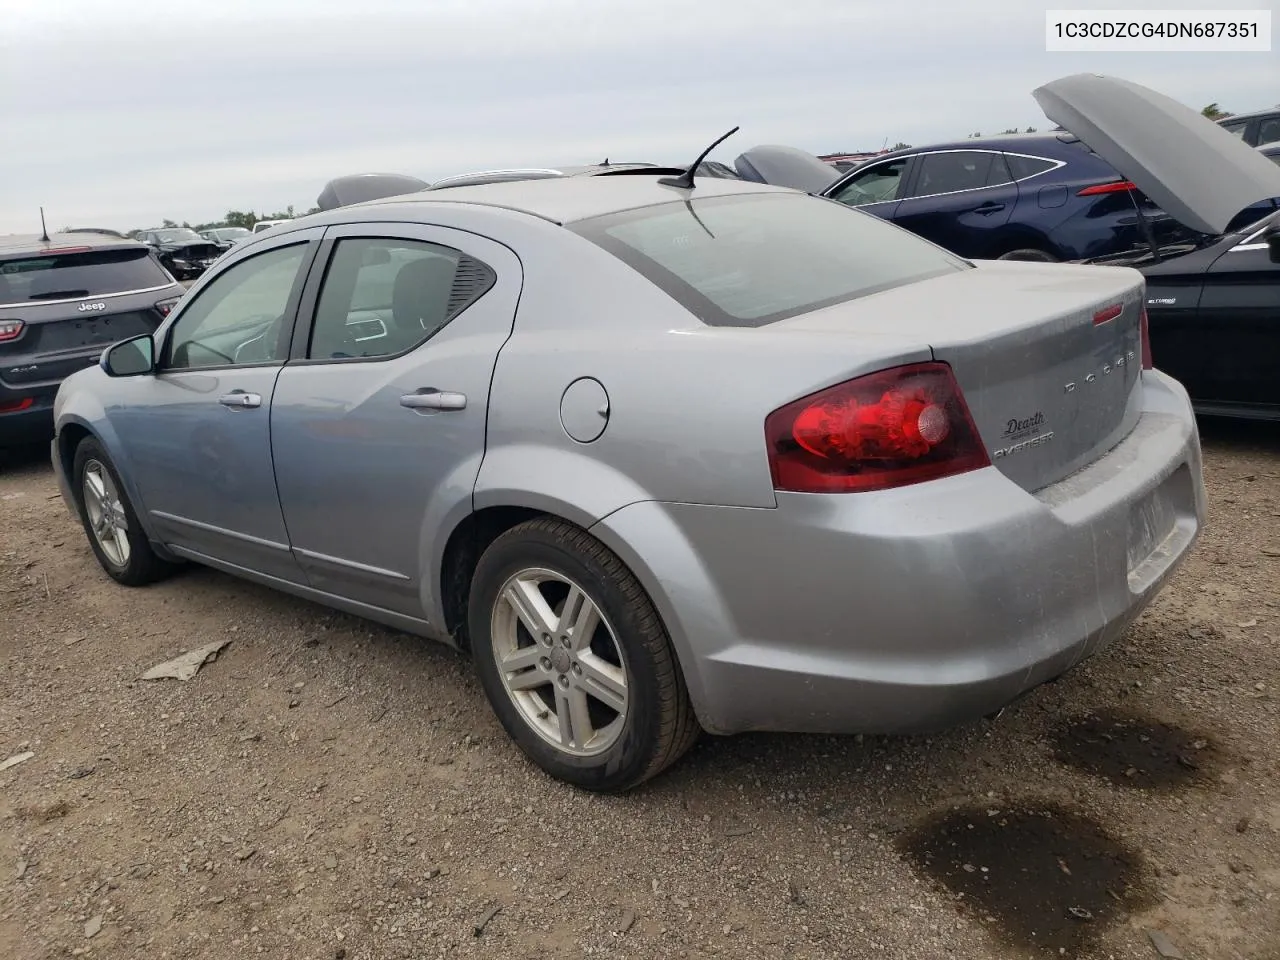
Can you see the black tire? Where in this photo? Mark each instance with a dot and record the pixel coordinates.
(659, 725)
(142, 566)
(1029, 253)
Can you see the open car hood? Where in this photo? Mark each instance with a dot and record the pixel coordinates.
(1193, 169)
(361, 187)
(785, 167)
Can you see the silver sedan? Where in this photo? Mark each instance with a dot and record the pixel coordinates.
(662, 458)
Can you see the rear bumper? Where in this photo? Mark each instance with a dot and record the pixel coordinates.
(913, 609)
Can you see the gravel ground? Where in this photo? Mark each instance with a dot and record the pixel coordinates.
(327, 788)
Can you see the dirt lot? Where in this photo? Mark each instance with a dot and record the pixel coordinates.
(328, 789)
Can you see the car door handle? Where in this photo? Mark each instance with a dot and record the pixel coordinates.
(238, 398)
(431, 399)
(989, 207)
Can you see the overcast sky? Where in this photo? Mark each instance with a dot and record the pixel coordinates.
(122, 112)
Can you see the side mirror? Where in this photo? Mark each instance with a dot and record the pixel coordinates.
(1272, 236)
(129, 358)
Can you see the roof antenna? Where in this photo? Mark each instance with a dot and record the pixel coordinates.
(44, 231)
(685, 180)
(606, 162)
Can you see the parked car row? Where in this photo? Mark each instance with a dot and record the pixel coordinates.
(686, 451)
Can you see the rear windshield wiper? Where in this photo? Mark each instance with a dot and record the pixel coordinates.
(58, 294)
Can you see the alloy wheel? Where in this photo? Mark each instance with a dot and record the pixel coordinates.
(107, 518)
(560, 661)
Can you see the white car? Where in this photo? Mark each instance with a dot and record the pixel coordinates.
(267, 224)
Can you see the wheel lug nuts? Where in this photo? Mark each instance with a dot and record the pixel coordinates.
(546, 638)
(564, 681)
(577, 669)
(544, 663)
(564, 641)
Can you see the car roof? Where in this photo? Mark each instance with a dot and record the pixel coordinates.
(22, 244)
(534, 173)
(1252, 114)
(567, 199)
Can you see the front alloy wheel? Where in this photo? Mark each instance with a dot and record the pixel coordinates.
(107, 521)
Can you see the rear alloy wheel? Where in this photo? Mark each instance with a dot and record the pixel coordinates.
(116, 536)
(574, 659)
(1029, 253)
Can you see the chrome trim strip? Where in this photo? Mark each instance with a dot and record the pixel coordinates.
(864, 168)
(223, 531)
(101, 296)
(350, 564)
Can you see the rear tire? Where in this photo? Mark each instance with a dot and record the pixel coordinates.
(110, 522)
(1029, 253)
(592, 693)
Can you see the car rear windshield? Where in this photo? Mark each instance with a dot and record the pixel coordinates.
(751, 260)
(89, 273)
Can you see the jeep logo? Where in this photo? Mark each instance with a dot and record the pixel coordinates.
(91, 307)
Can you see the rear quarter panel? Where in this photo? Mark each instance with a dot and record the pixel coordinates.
(686, 402)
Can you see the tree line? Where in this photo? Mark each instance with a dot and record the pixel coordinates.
(232, 218)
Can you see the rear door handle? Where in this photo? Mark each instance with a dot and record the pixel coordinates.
(238, 398)
(989, 207)
(430, 398)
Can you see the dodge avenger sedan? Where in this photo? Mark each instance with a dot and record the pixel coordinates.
(663, 453)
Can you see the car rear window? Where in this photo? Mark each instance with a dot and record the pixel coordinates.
(89, 273)
(747, 261)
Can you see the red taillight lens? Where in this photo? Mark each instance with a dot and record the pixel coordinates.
(10, 329)
(886, 429)
(1145, 326)
(1107, 315)
(13, 406)
(1115, 186)
(166, 306)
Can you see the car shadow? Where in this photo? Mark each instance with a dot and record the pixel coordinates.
(1240, 436)
(28, 459)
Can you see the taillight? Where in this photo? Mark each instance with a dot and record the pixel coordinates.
(887, 429)
(1145, 327)
(1108, 314)
(1115, 186)
(13, 406)
(166, 306)
(10, 329)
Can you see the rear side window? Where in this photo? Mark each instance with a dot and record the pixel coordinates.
(1269, 130)
(956, 170)
(750, 260)
(89, 273)
(383, 297)
(1022, 166)
(1236, 129)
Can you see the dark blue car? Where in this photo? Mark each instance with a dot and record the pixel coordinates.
(1043, 196)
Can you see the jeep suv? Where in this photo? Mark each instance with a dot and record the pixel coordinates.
(63, 300)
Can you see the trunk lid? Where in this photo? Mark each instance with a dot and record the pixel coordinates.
(1192, 168)
(1050, 389)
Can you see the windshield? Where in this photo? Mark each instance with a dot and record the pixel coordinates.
(90, 273)
(231, 233)
(180, 235)
(749, 260)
